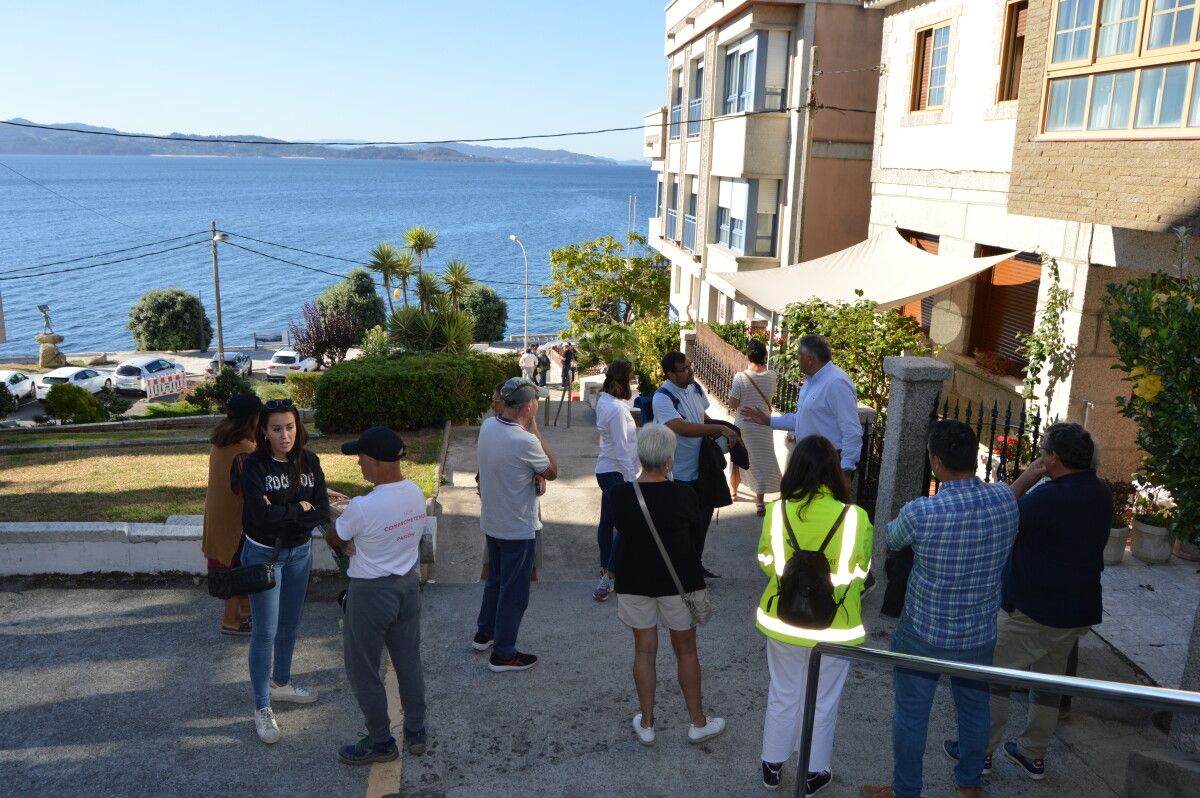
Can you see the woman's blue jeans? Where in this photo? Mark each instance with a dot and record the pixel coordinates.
(276, 613)
(604, 533)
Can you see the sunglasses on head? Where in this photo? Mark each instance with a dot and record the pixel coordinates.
(278, 404)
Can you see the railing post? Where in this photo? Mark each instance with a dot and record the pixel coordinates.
(916, 383)
(808, 719)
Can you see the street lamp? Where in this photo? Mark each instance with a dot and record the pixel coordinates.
(513, 237)
(217, 237)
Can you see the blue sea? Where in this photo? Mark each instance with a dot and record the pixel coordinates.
(336, 207)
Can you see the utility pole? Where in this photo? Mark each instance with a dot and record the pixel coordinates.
(217, 297)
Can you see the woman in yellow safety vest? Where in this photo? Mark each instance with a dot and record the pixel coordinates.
(813, 491)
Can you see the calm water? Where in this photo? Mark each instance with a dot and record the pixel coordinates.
(340, 208)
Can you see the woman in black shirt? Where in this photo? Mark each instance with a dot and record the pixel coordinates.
(284, 495)
(646, 592)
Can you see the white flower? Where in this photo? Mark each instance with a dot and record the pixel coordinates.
(1151, 499)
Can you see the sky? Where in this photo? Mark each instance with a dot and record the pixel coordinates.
(362, 70)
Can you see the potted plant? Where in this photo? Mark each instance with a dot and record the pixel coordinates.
(1118, 527)
(993, 363)
(1152, 510)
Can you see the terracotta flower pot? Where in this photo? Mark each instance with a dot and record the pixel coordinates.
(1186, 551)
(1114, 550)
(1150, 544)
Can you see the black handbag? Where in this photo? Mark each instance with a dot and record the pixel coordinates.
(225, 583)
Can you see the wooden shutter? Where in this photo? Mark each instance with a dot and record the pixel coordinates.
(924, 68)
(1005, 304)
(1022, 15)
(921, 309)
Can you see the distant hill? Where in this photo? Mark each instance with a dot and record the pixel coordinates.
(33, 141)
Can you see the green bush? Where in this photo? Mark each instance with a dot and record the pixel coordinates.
(406, 391)
(443, 330)
(8, 402)
(170, 319)
(214, 396)
(375, 343)
(271, 390)
(606, 343)
(489, 310)
(71, 404)
(655, 337)
(302, 387)
(356, 296)
(173, 409)
(731, 332)
(113, 403)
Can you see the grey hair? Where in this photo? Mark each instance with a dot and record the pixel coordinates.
(656, 446)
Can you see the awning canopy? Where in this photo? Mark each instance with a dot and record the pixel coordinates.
(885, 267)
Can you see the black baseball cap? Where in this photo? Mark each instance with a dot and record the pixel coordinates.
(378, 443)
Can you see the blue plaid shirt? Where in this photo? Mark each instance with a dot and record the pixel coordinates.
(961, 538)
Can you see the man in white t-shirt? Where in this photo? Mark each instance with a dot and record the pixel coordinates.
(510, 453)
(528, 363)
(382, 533)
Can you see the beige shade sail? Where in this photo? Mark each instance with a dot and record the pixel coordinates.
(885, 267)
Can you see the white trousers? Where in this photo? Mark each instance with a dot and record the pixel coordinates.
(788, 665)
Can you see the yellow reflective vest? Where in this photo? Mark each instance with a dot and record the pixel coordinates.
(849, 553)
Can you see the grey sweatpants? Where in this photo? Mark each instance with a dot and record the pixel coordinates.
(385, 612)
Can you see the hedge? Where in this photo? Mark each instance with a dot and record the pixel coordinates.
(303, 387)
(407, 391)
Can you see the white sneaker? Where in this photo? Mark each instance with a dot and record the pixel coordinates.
(265, 725)
(603, 588)
(292, 693)
(645, 736)
(713, 727)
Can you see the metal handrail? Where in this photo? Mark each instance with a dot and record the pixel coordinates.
(1142, 695)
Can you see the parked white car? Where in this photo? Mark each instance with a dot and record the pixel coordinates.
(131, 374)
(89, 380)
(19, 384)
(287, 361)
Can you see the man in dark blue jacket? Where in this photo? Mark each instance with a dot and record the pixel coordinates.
(1051, 591)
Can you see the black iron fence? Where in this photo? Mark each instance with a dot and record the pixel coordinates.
(1008, 440)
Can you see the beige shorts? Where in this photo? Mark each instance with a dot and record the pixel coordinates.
(645, 612)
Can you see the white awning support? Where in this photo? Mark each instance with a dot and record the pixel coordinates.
(886, 268)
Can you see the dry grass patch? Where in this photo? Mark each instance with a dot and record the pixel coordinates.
(148, 484)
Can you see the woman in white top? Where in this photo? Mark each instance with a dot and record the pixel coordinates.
(617, 460)
(754, 387)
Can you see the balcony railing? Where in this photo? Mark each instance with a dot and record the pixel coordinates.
(672, 224)
(694, 118)
(676, 115)
(689, 232)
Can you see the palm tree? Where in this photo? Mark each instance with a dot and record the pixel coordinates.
(383, 261)
(456, 279)
(404, 272)
(427, 291)
(420, 240)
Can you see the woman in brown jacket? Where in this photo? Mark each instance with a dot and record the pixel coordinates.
(233, 436)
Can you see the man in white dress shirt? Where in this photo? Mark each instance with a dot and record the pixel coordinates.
(827, 406)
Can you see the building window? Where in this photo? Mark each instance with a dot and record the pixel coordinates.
(658, 196)
(1005, 306)
(673, 210)
(732, 201)
(1171, 23)
(689, 217)
(1140, 81)
(739, 76)
(1014, 50)
(765, 222)
(676, 103)
(929, 75)
(694, 113)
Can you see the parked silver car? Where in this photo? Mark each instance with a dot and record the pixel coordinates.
(240, 362)
(19, 384)
(287, 361)
(131, 374)
(90, 380)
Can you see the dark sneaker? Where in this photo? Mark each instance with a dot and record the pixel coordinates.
(241, 630)
(817, 782)
(517, 662)
(1033, 768)
(709, 574)
(481, 642)
(951, 749)
(364, 752)
(771, 774)
(415, 742)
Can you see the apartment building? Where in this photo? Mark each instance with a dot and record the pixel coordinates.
(763, 147)
(1068, 128)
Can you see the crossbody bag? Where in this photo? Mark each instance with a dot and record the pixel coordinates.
(225, 583)
(760, 391)
(700, 610)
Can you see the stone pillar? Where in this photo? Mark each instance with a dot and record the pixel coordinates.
(916, 383)
(686, 339)
(1185, 728)
(48, 355)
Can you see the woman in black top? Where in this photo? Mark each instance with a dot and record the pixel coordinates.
(284, 495)
(646, 593)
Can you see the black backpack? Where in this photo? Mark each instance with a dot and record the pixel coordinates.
(806, 588)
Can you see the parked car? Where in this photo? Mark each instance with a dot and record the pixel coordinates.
(288, 361)
(19, 384)
(89, 380)
(131, 374)
(238, 361)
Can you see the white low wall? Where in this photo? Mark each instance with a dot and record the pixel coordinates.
(29, 548)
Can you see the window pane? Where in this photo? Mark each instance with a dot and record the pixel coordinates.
(1171, 22)
(1161, 96)
(1194, 118)
(1118, 27)
(1068, 98)
(1112, 95)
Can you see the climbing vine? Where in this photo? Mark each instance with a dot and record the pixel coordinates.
(1046, 348)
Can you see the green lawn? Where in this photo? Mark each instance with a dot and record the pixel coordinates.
(149, 483)
(111, 436)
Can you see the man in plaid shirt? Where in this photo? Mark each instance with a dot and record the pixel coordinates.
(961, 539)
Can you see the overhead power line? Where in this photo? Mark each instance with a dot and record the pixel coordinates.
(102, 254)
(73, 202)
(57, 272)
